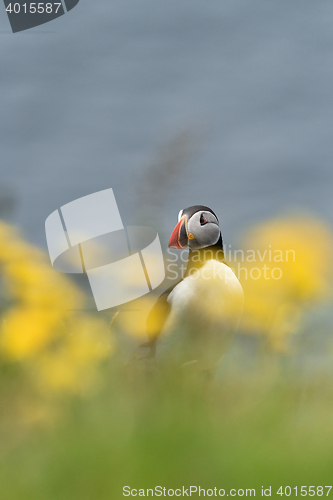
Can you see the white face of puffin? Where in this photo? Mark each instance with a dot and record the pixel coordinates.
(200, 231)
(203, 230)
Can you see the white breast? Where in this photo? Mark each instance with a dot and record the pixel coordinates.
(205, 311)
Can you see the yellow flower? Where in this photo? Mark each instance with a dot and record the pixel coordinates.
(296, 253)
(73, 364)
(40, 328)
(132, 319)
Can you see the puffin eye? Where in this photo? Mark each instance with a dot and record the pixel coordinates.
(203, 220)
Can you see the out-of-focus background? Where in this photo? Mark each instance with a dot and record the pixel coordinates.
(224, 103)
(89, 99)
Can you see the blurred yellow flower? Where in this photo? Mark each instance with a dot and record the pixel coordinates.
(132, 320)
(74, 364)
(40, 327)
(287, 270)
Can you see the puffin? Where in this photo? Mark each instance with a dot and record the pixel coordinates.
(194, 321)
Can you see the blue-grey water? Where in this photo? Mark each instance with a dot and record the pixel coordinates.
(91, 99)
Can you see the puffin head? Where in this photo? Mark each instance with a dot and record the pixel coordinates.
(198, 227)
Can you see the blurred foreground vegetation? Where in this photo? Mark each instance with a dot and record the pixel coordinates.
(260, 426)
(80, 418)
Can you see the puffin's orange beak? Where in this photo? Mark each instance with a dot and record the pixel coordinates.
(179, 237)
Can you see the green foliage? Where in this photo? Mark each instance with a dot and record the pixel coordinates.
(259, 424)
